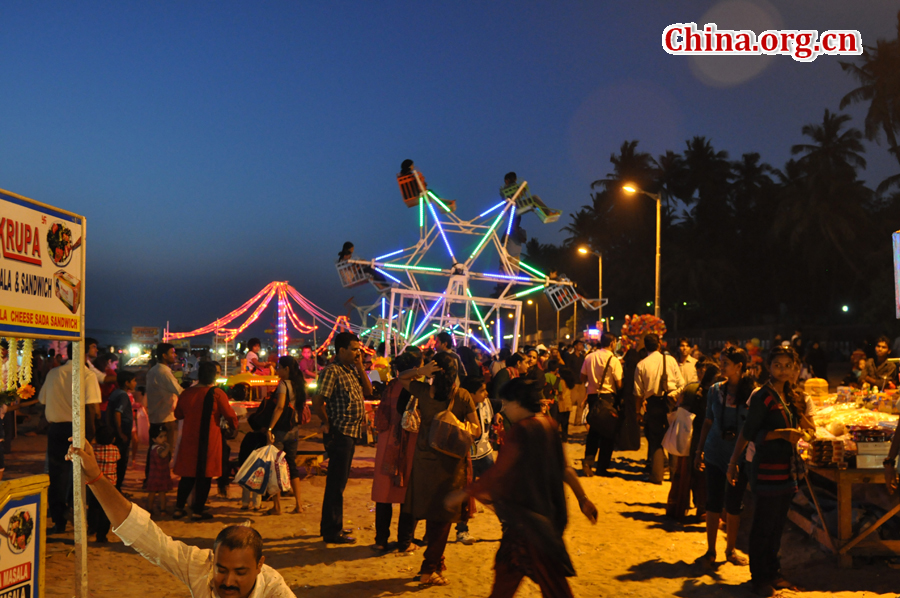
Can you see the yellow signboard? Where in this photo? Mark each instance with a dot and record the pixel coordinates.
(41, 270)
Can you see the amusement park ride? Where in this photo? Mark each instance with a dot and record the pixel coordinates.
(454, 298)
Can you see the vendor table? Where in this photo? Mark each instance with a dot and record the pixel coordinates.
(864, 543)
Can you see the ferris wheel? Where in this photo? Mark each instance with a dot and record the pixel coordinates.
(461, 276)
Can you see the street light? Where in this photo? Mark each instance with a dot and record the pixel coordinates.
(632, 189)
(585, 250)
(537, 320)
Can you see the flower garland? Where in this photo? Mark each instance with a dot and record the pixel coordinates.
(12, 364)
(25, 371)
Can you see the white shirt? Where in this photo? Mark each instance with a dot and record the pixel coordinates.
(252, 358)
(192, 566)
(56, 393)
(593, 368)
(162, 394)
(649, 372)
(689, 370)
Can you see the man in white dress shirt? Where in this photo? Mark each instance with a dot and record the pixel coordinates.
(658, 400)
(56, 396)
(687, 363)
(163, 390)
(234, 568)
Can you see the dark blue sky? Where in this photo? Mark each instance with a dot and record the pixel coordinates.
(216, 146)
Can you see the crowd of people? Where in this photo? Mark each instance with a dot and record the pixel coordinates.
(515, 410)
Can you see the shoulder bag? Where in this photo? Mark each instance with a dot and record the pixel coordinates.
(410, 420)
(602, 415)
(448, 435)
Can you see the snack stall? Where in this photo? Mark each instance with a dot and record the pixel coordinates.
(843, 502)
(41, 297)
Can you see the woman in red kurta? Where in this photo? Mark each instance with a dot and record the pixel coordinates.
(200, 453)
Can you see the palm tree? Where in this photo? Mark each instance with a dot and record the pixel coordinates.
(833, 152)
(879, 78)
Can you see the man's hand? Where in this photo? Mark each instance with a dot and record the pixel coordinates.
(88, 461)
(698, 462)
(270, 437)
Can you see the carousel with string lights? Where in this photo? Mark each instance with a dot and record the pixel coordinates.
(473, 289)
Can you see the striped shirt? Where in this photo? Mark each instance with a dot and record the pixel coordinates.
(339, 386)
(771, 471)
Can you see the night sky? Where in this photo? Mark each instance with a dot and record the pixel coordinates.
(217, 146)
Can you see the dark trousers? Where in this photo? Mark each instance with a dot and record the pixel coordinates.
(405, 525)
(122, 463)
(340, 456)
(599, 446)
(60, 492)
(769, 518)
(436, 534)
(155, 429)
(97, 519)
(552, 582)
(562, 418)
(225, 478)
(200, 486)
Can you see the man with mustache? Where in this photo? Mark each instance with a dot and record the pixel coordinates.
(234, 568)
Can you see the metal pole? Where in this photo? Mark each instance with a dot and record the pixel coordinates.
(600, 288)
(537, 321)
(78, 414)
(574, 321)
(658, 225)
(557, 327)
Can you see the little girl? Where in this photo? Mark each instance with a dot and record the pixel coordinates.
(160, 479)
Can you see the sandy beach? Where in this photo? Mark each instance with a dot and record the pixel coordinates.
(634, 550)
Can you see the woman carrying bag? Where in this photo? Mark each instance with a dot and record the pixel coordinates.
(286, 406)
(435, 473)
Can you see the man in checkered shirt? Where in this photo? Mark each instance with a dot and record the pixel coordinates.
(339, 404)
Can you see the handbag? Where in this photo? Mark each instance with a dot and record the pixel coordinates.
(411, 420)
(656, 421)
(601, 414)
(448, 435)
(255, 472)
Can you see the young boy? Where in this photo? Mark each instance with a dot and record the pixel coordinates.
(120, 419)
(107, 455)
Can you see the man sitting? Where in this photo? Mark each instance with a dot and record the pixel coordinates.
(234, 568)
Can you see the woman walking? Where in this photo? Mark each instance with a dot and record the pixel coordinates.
(773, 425)
(199, 455)
(434, 474)
(726, 412)
(287, 403)
(526, 489)
(394, 459)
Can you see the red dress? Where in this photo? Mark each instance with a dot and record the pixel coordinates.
(160, 477)
(190, 409)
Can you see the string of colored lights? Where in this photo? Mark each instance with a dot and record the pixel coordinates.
(508, 277)
(421, 213)
(253, 316)
(219, 323)
(528, 291)
(397, 280)
(282, 324)
(512, 217)
(439, 202)
(441, 230)
(487, 333)
(488, 234)
(532, 269)
(489, 210)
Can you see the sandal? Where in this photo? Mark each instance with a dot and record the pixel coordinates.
(736, 559)
(783, 584)
(708, 559)
(435, 579)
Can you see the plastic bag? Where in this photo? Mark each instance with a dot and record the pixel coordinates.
(677, 440)
(280, 478)
(254, 474)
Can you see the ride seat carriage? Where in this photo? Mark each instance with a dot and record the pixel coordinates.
(527, 202)
(412, 186)
(352, 274)
(561, 296)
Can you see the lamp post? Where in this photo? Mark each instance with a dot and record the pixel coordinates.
(537, 320)
(634, 189)
(585, 250)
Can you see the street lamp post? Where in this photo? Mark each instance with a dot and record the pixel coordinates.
(537, 319)
(634, 189)
(584, 250)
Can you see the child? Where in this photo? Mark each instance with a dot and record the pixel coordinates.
(251, 442)
(107, 454)
(159, 481)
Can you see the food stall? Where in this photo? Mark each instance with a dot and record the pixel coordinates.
(843, 502)
(41, 297)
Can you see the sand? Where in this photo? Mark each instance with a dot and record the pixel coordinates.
(634, 550)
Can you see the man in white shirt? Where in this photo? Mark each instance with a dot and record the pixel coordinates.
(657, 400)
(56, 396)
(234, 568)
(163, 390)
(687, 363)
(602, 374)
